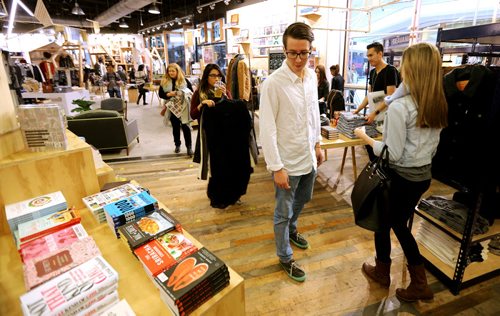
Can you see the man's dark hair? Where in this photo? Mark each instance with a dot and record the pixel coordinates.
(376, 46)
(298, 30)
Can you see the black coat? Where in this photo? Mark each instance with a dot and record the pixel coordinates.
(227, 129)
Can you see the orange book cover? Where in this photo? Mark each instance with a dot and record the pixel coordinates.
(162, 253)
(47, 224)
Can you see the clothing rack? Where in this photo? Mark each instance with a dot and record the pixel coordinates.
(463, 274)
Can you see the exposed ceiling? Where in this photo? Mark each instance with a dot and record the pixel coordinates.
(109, 13)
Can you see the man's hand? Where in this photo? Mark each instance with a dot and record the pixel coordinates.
(281, 179)
(320, 157)
(370, 117)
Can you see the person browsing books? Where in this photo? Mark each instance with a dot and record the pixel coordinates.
(290, 137)
(412, 127)
(383, 77)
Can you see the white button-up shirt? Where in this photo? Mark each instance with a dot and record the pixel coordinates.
(289, 121)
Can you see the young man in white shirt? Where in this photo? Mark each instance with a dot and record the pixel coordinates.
(290, 136)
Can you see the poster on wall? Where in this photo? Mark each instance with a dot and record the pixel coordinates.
(208, 55)
(203, 33)
(217, 30)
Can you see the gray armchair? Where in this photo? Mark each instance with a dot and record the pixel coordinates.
(115, 104)
(105, 129)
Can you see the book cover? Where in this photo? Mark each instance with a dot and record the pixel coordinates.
(149, 227)
(33, 208)
(43, 126)
(51, 264)
(52, 242)
(187, 274)
(96, 202)
(100, 306)
(122, 308)
(163, 252)
(71, 290)
(47, 224)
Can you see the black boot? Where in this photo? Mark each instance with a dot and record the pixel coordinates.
(138, 99)
(189, 151)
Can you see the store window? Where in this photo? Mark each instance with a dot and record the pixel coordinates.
(175, 49)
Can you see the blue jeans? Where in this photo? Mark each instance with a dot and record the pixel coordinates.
(289, 204)
(115, 91)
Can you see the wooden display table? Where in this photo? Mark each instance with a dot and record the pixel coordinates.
(134, 284)
(27, 174)
(344, 142)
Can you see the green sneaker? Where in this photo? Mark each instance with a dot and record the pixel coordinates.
(298, 240)
(293, 270)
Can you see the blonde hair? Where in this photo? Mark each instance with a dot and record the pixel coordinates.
(180, 76)
(422, 73)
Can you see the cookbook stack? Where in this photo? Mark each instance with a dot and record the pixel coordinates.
(192, 281)
(330, 133)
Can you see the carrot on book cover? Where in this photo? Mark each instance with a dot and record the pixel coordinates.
(183, 268)
(197, 272)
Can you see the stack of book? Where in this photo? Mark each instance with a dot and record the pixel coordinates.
(329, 132)
(122, 308)
(96, 202)
(128, 210)
(143, 230)
(30, 209)
(164, 252)
(88, 288)
(349, 121)
(47, 224)
(192, 281)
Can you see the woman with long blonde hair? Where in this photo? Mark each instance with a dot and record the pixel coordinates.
(416, 115)
(172, 85)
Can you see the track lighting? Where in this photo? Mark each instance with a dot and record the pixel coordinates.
(77, 10)
(199, 9)
(212, 6)
(123, 24)
(226, 2)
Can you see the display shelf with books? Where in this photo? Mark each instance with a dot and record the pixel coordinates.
(229, 301)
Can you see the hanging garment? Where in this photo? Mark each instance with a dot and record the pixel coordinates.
(239, 78)
(225, 132)
(48, 70)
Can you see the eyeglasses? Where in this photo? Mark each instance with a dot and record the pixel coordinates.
(293, 55)
(215, 76)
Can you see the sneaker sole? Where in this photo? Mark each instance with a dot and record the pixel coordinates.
(299, 245)
(298, 279)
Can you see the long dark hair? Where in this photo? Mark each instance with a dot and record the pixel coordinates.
(204, 88)
(141, 67)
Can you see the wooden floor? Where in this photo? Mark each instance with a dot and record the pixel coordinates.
(242, 235)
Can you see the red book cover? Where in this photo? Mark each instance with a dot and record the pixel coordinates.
(160, 254)
(47, 224)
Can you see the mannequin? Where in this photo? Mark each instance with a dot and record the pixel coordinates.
(47, 67)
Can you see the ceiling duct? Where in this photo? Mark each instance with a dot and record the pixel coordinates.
(120, 10)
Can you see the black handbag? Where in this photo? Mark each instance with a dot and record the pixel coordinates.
(370, 194)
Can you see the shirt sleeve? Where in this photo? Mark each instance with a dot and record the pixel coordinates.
(195, 101)
(268, 111)
(394, 132)
(391, 76)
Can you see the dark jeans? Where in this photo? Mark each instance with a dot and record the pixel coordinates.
(176, 128)
(404, 196)
(115, 91)
(142, 94)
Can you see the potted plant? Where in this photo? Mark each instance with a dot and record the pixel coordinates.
(83, 105)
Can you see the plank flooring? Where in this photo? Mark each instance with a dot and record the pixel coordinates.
(242, 235)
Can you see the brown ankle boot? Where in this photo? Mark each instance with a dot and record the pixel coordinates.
(380, 272)
(418, 288)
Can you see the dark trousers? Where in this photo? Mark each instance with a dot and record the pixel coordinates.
(404, 196)
(115, 91)
(142, 94)
(176, 128)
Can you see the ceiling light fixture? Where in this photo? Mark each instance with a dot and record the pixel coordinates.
(13, 9)
(77, 10)
(153, 9)
(188, 20)
(199, 9)
(140, 17)
(212, 6)
(226, 2)
(123, 24)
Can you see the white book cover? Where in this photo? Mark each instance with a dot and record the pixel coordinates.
(96, 202)
(71, 290)
(34, 208)
(120, 309)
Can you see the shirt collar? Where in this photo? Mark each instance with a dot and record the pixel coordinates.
(291, 75)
